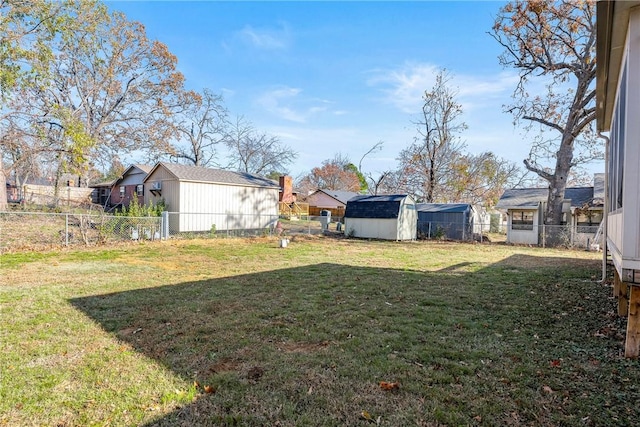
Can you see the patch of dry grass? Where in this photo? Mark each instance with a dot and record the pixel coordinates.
(242, 332)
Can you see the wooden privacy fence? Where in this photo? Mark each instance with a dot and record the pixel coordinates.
(336, 213)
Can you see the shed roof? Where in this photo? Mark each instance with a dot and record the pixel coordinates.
(216, 176)
(443, 207)
(386, 206)
(530, 198)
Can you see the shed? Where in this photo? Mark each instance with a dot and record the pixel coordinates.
(202, 199)
(388, 217)
(446, 220)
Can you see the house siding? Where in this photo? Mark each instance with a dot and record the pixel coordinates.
(228, 207)
(201, 206)
(524, 237)
(623, 223)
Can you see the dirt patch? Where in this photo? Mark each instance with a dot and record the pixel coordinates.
(226, 364)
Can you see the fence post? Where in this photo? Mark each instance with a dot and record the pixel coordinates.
(164, 225)
(66, 229)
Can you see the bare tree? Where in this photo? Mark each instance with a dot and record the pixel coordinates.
(425, 164)
(256, 152)
(200, 127)
(553, 43)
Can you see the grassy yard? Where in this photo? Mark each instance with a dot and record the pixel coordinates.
(242, 332)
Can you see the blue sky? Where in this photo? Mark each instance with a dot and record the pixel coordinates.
(337, 77)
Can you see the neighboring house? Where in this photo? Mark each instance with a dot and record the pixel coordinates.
(202, 199)
(582, 213)
(129, 186)
(389, 217)
(617, 112)
(101, 193)
(334, 201)
(457, 221)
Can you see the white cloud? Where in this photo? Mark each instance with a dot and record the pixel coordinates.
(265, 38)
(287, 103)
(403, 87)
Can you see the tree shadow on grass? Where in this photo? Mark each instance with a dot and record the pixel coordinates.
(308, 345)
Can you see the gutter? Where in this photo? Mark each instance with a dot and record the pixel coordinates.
(605, 210)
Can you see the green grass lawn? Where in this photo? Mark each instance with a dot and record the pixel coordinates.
(242, 332)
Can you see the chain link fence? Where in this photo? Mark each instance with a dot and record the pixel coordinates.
(21, 230)
(37, 231)
(576, 236)
(437, 230)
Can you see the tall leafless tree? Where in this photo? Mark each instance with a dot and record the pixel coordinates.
(200, 127)
(425, 164)
(256, 152)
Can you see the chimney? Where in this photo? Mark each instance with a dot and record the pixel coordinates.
(286, 189)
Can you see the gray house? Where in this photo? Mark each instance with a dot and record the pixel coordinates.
(202, 199)
(389, 217)
(582, 212)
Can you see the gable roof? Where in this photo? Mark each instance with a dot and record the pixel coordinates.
(136, 169)
(387, 206)
(443, 207)
(214, 176)
(530, 198)
(341, 196)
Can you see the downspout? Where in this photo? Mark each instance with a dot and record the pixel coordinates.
(605, 210)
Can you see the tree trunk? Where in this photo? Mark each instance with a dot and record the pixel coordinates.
(554, 229)
(3, 189)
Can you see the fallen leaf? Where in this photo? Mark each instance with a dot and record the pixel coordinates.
(389, 386)
(196, 384)
(555, 363)
(210, 389)
(367, 416)
(547, 389)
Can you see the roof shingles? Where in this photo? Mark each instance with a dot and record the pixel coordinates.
(217, 176)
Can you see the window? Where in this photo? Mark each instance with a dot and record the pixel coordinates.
(522, 220)
(617, 138)
(122, 191)
(140, 190)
